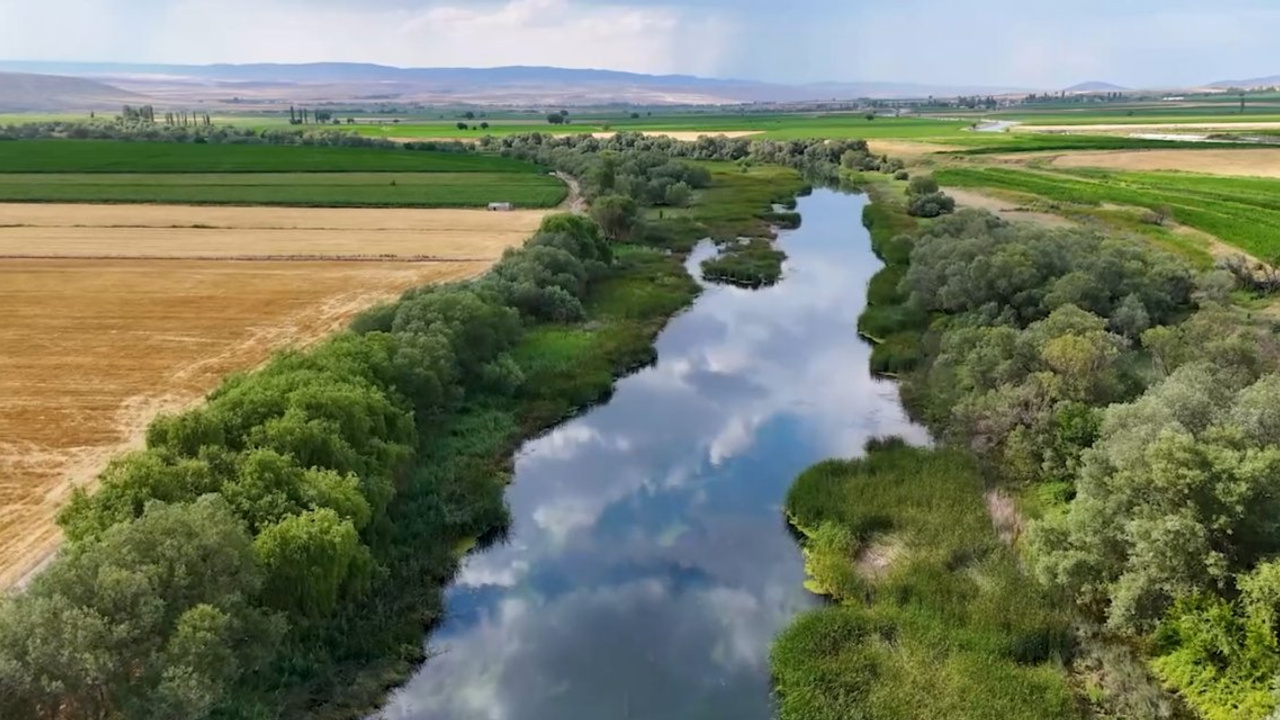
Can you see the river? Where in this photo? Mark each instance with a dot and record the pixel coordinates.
(649, 566)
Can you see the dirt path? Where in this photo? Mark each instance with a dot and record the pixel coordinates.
(1005, 209)
(575, 203)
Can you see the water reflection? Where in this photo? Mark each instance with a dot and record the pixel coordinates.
(648, 566)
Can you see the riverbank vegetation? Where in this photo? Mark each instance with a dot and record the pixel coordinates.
(1117, 396)
(931, 615)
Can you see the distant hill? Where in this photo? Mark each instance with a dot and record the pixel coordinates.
(24, 92)
(506, 85)
(1093, 86)
(1269, 81)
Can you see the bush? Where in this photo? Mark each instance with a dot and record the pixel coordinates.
(902, 175)
(922, 185)
(931, 205)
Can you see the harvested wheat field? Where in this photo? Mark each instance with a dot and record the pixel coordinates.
(55, 230)
(1260, 162)
(91, 349)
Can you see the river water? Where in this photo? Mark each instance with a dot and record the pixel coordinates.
(649, 565)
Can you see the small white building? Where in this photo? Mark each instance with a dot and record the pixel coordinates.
(501, 206)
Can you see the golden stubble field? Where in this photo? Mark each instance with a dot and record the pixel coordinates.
(109, 315)
(1255, 162)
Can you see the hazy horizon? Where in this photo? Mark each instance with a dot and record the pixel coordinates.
(998, 43)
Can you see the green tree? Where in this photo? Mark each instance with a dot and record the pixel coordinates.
(617, 215)
(922, 185)
(679, 195)
(310, 561)
(153, 618)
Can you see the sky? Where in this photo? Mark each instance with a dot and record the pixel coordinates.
(1014, 43)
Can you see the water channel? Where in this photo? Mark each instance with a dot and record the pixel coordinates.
(649, 566)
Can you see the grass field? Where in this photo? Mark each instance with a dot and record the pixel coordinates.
(107, 156)
(139, 172)
(353, 189)
(92, 348)
(1242, 212)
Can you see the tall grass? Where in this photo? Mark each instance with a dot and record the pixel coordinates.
(949, 629)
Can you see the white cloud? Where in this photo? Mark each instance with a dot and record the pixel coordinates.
(567, 33)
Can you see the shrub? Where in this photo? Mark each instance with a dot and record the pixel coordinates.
(931, 205)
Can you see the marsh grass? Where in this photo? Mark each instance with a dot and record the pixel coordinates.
(952, 630)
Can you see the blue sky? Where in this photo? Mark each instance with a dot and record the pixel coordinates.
(1029, 43)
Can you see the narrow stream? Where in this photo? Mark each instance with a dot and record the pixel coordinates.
(649, 566)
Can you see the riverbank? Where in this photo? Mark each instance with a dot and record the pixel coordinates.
(1052, 386)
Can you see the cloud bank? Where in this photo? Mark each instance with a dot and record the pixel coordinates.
(1003, 42)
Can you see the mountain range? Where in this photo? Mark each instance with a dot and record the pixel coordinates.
(517, 85)
(52, 86)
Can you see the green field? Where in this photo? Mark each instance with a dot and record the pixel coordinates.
(94, 156)
(428, 190)
(1244, 212)
(145, 172)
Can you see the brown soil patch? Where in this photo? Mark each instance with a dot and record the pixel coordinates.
(1005, 209)
(92, 349)
(1259, 162)
(907, 149)
(876, 559)
(1006, 519)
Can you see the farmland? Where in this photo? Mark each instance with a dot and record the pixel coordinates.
(105, 156)
(142, 172)
(1242, 212)
(129, 311)
(356, 189)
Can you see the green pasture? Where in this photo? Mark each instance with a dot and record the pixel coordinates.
(472, 189)
(110, 156)
(1243, 212)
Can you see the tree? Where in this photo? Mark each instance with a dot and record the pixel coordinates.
(617, 215)
(1181, 491)
(922, 185)
(635, 116)
(469, 115)
(679, 194)
(462, 126)
(931, 205)
(555, 119)
(484, 125)
(152, 620)
(310, 561)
